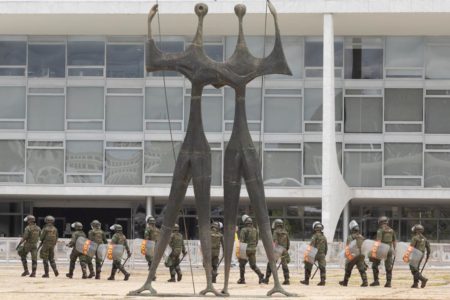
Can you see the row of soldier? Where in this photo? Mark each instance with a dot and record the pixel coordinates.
(246, 243)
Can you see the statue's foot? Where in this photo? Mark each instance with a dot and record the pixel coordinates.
(225, 293)
(210, 289)
(145, 287)
(279, 289)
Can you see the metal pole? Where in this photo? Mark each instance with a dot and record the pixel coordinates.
(345, 221)
(149, 206)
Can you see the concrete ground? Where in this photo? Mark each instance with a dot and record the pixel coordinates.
(12, 286)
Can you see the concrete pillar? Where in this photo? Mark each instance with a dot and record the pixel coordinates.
(149, 206)
(345, 221)
(335, 192)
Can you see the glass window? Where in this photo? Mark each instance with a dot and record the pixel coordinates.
(84, 156)
(13, 53)
(169, 47)
(282, 115)
(437, 111)
(216, 167)
(125, 61)
(13, 156)
(46, 60)
(403, 104)
(363, 58)
(123, 167)
(293, 51)
(314, 103)
(403, 159)
(214, 51)
(86, 53)
(437, 169)
(124, 113)
(314, 53)
(404, 52)
(437, 62)
(211, 113)
(252, 104)
(45, 113)
(159, 156)
(155, 103)
(45, 166)
(363, 115)
(12, 102)
(313, 159)
(282, 168)
(363, 169)
(85, 102)
(254, 43)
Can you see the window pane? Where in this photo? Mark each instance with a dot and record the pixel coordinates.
(314, 54)
(313, 159)
(123, 167)
(363, 115)
(437, 111)
(293, 50)
(404, 51)
(403, 104)
(13, 156)
(86, 53)
(45, 113)
(215, 52)
(211, 113)
(124, 113)
(125, 61)
(252, 104)
(437, 62)
(363, 169)
(13, 53)
(437, 169)
(158, 156)
(282, 168)
(402, 159)
(282, 115)
(216, 168)
(155, 103)
(314, 103)
(45, 166)
(363, 63)
(46, 60)
(85, 102)
(84, 157)
(84, 179)
(12, 102)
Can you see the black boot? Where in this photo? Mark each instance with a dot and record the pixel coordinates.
(323, 277)
(364, 283)
(113, 273)
(84, 270)
(285, 274)
(91, 271)
(46, 269)
(423, 281)
(54, 268)
(376, 281)
(268, 273)
(388, 279)
(33, 268)
(241, 275)
(25, 268)
(125, 273)
(307, 276)
(346, 278)
(71, 269)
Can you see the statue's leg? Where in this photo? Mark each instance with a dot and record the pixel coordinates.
(201, 179)
(232, 189)
(180, 182)
(255, 188)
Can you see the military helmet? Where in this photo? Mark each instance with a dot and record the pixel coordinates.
(317, 226)
(77, 225)
(150, 219)
(29, 218)
(176, 227)
(244, 217)
(277, 222)
(418, 227)
(95, 224)
(248, 221)
(383, 219)
(116, 227)
(49, 220)
(220, 225)
(215, 225)
(353, 226)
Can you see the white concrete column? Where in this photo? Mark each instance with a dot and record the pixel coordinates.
(149, 206)
(345, 221)
(335, 192)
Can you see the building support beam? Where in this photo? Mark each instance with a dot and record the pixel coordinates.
(335, 192)
(149, 206)
(345, 221)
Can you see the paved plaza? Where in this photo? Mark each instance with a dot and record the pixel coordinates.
(15, 287)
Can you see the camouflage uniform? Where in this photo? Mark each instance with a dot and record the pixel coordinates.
(173, 260)
(281, 237)
(419, 242)
(49, 237)
(75, 254)
(30, 239)
(358, 261)
(250, 236)
(119, 239)
(152, 234)
(387, 236)
(318, 241)
(216, 244)
(98, 236)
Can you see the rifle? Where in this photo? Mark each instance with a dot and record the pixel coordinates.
(317, 268)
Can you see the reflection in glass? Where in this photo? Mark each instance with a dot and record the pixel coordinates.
(46, 60)
(403, 104)
(313, 159)
(437, 111)
(45, 166)
(437, 62)
(13, 156)
(404, 52)
(363, 115)
(125, 61)
(282, 168)
(363, 169)
(363, 63)
(437, 169)
(123, 167)
(124, 113)
(314, 53)
(85, 53)
(45, 113)
(13, 53)
(155, 103)
(84, 156)
(159, 156)
(282, 115)
(403, 159)
(85, 102)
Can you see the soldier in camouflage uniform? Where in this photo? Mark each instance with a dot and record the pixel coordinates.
(98, 236)
(280, 237)
(250, 236)
(152, 234)
(74, 255)
(29, 240)
(119, 239)
(173, 260)
(216, 244)
(49, 237)
(358, 260)
(419, 242)
(386, 235)
(318, 241)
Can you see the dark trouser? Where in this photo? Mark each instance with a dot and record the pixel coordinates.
(284, 266)
(174, 266)
(359, 262)
(74, 255)
(47, 255)
(215, 266)
(388, 264)
(251, 256)
(23, 257)
(117, 265)
(322, 263)
(416, 273)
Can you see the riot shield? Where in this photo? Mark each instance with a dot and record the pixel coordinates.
(102, 250)
(309, 253)
(409, 254)
(241, 251)
(147, 247)
(110, 251)
(375, 249)
(86, 246)
(278, 251)
(352, 251)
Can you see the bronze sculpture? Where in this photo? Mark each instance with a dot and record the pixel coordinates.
(194, 160)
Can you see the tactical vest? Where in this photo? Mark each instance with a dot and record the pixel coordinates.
(176, 242)
(51, 235)
(358, 237)
(215, 241)
(151, 234)
(119, 239)
(320, 242)
(387, 235)
(250, 237)
(282, 237)
(419, 242)
(34, 232)
(96, 235)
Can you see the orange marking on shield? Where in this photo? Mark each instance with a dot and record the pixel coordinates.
(348, 253)
(375, 247)
(407, 255)
(86, 246)
(143, 247)
(110, 252)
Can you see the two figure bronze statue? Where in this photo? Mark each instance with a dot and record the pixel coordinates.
(194, 159)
